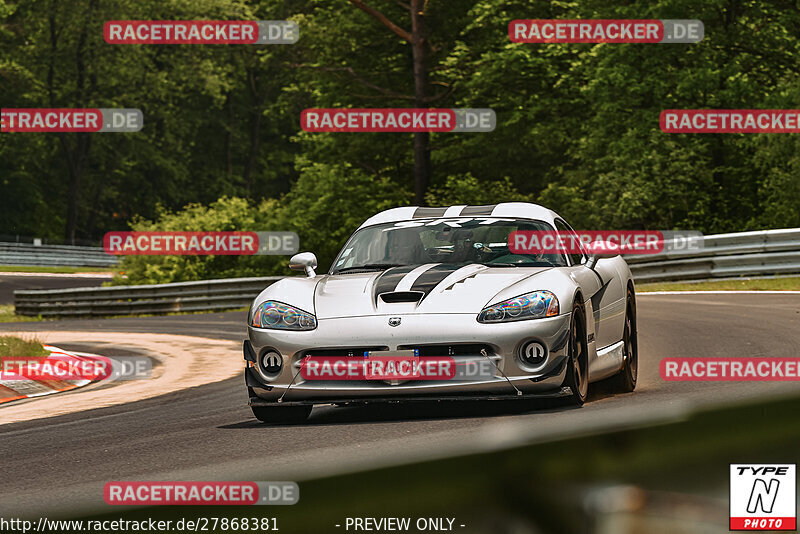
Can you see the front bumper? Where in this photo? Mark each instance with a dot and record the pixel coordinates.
(503, 341)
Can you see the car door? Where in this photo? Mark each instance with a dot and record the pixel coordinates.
(602, 285)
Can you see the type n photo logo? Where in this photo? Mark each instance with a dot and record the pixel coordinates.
(762, 497)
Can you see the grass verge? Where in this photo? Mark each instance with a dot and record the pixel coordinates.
(58, 270)
(7, 315)
(749, 284)
(17, 346)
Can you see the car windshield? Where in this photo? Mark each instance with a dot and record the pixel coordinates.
(452, 241)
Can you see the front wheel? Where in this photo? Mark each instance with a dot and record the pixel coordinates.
(625, 380)
(578, 357)
(281, 414)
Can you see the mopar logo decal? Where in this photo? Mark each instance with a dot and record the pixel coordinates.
(394, 321)
(533, 351)
(272, 362)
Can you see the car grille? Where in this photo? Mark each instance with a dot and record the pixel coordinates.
(450, 349)
(459, 351)
(341, 351)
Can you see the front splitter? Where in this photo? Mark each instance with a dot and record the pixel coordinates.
(557, 394)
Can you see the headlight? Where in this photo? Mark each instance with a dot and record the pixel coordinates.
(280, 316)
(528, 306)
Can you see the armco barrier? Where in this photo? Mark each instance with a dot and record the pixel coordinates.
(762, 253)
(771, 252)
(206, 295)
(54, 255)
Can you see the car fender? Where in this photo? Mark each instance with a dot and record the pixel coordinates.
(566, 289)
(554, 280)
(296, 291)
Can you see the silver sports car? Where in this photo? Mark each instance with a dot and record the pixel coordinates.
(429, 304)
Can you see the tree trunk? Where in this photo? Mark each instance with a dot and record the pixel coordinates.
(75, 163)
(72, 195)
(256, 102)
(76, 157)
(422, 154)
(229, 129)
(252, 157)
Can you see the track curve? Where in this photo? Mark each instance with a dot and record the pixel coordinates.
(208, 432)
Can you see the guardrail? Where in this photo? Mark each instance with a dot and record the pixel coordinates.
(54, 255)
(206, 295)
(761, 253)
(771, 252)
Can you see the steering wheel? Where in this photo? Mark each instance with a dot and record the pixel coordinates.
(483, 251)
(435, 253)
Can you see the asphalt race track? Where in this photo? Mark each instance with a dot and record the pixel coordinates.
(208, 432)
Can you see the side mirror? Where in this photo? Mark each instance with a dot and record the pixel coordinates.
(305, 261)
(600, 251)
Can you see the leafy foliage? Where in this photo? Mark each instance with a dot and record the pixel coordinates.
(325, 206)
(222, 148)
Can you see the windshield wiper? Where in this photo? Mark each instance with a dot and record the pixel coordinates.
(531, 264)
(501, 264)
(369, 267)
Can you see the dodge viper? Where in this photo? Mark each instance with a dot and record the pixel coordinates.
(433, 304)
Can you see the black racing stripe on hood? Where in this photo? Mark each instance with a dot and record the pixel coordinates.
(389, 279)
(433, 276)
(423, 213)
(477, 211)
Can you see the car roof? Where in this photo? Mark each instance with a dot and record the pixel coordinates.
(517, 210)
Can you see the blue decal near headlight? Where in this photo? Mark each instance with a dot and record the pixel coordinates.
(534, 305)
(280, 316)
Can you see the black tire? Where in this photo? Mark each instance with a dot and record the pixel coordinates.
(578, 357)
(281, 414)
(625, 380)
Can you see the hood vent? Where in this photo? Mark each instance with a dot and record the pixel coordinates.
(473, 275)
(402, 296)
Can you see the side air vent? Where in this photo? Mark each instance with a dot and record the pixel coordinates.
(402, 296)
(454, 284)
